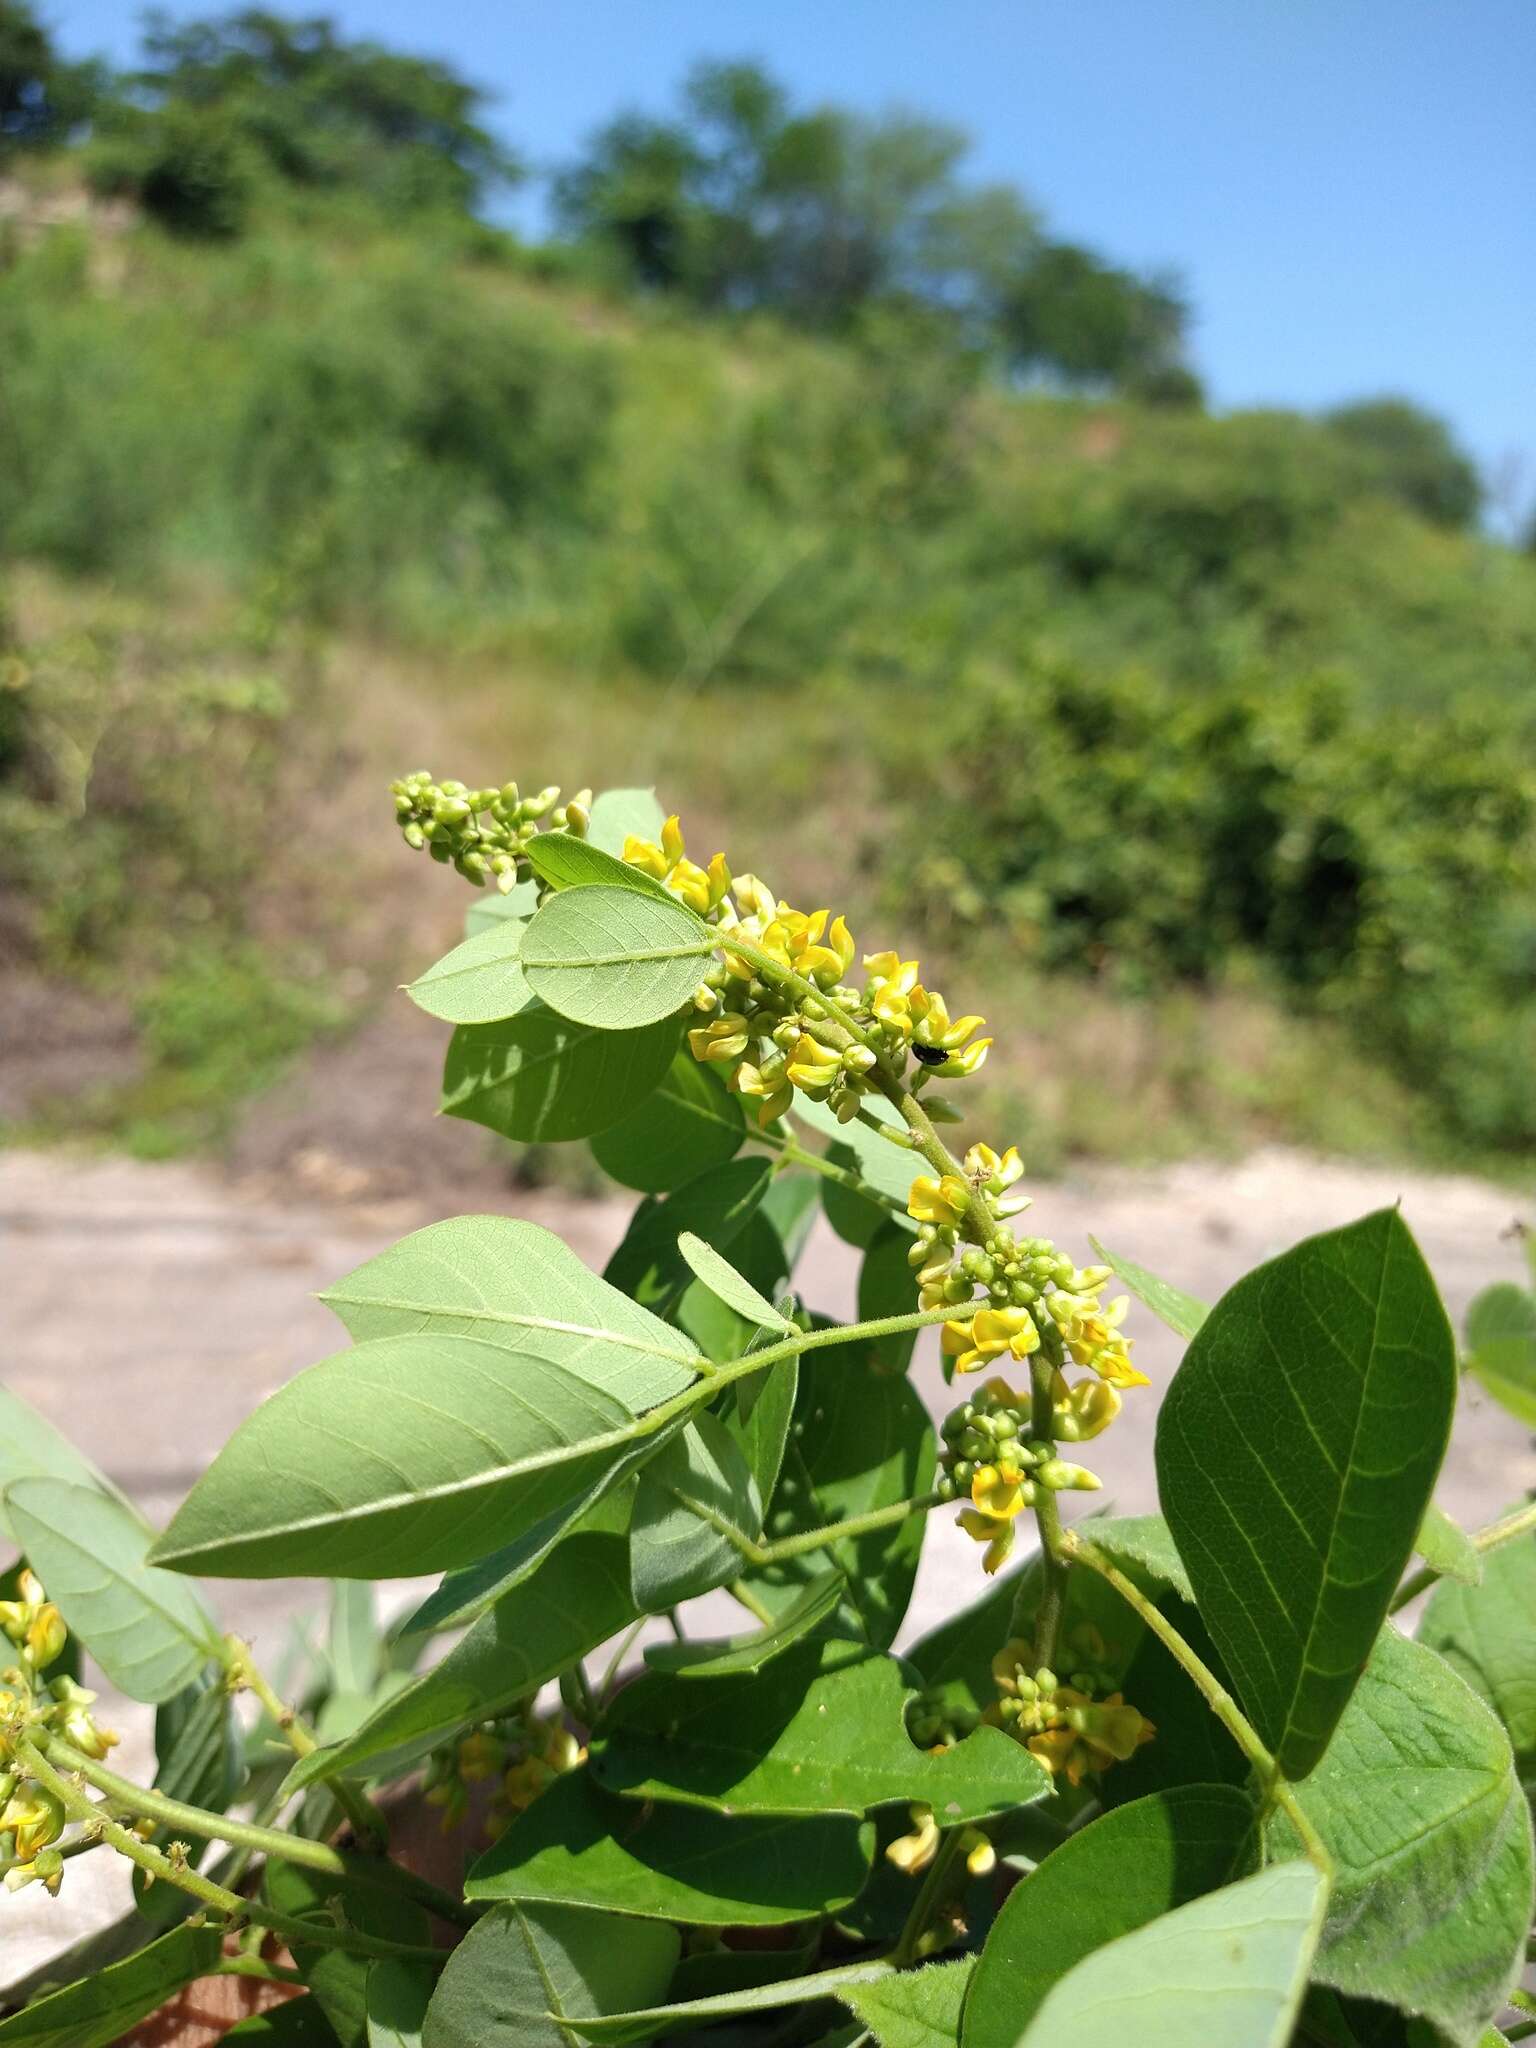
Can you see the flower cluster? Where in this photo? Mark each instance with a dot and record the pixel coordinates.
(30, 1815)
(1070, 1731)
(524, 1751)
(914, 1852)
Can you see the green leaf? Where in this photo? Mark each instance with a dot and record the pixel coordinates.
(688, 1125)
(99, 2010)
(855, 1214)
(614, 958)
(744, 1656)
(1487, 1634)
(621, 814)
(515, 1284)
(662, 2020)
(722, 1279)
(339, 1982)
(577, 1598)
(915, 2008)
(697, 1485)
(569, 863)
(406, 1455)
(397, 1993)
(822, 1729)
(860, 1440)
(31, 1448)
(147, 1629)
(709, 1973)
(762, 1424)
(578, 1846)
(539, 1077)
(525, 1976)
(1501, 1337)
(491, 907)
(1446, 1546)
(1171, 1305)
(648, 1265)
(1191, 1747)
(1143, 1547)
(480, 981)
(1122, 1872)
(1431, 1839)
(1228, 1970)
(888, 1287)
(1296, 1450)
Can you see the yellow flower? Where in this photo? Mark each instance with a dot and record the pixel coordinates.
(721, 1040)
(993, 1172)
(645, 855)
(932, 1025)
(689, 883)
(1082, 1411)
(813, 1066)
(991, 1332)
(37, 1818)
(890, 971)
(1000, 1491)
(997, 1535)
(914, 1852)
(960, 1065)
(770, 1083)
(942, 1201)
(1091, 1334)
(699, 888)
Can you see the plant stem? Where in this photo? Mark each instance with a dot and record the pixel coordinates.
(811, 1539)
(614, 1662)
(774, 970)
(256, 1966)
(307, 1933)
(935, 1880)
(375, 1871)
(1221, 1703)
(1055, 1559)
(795, 1154)
(244, 1672)
(1490, 1537)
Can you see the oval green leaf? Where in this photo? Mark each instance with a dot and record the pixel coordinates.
(686, 1498)
(1228, 1970)
(1487, 1634)
(101, 2008)
(731, 1287)
(1296, 1450)
(528, 1976)
(688, 1125)
(146, 1628)
(614, 958)
(1119, 1873)
(568, 863)
(538, 1077)
(480, 981)
(1501, 1338)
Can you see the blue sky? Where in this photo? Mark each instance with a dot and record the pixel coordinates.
(1347, 186)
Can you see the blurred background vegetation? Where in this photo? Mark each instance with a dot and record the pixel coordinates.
(884, 530)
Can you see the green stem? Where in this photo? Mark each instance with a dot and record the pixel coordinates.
(256, 1966)
(374, 1871)
(305, 1932)
(796, 1154)
(935, 1881)
(811, 1539)
(775, 971)
(1055, 1561)
(1490, 1537)
(1221, 1703)
(245, 1673)
(611, 1674)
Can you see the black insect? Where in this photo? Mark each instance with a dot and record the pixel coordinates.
(930, 1055)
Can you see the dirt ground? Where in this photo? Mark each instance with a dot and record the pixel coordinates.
(149, 1308)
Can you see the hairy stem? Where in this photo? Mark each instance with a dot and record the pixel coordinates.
(374, 1871)
(1055, 1559)
(809, 1539)
(1505, 1530)
(246, 1674)
(313, 1934)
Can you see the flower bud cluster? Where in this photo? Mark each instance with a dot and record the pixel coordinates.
(991, 1457)
(1064, 1726)
(31, 1817)
(484, 833)
(524, 1751)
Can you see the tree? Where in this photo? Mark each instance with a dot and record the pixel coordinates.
(321, 110)
(1411, 454)
(42, 99)
(1071, 313)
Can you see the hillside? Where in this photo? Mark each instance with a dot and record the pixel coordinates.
(1203, 752)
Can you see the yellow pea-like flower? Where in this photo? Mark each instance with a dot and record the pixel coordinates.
(943, 1201)
(721, 1040)
(1000, 1491)
(813, 1066)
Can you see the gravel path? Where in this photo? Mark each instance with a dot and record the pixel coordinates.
(151, 1307)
